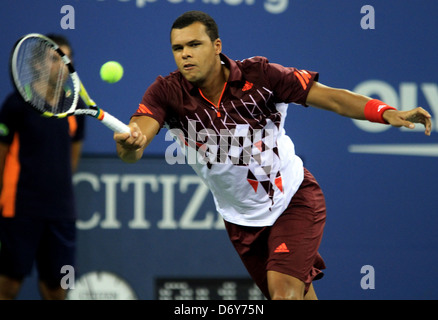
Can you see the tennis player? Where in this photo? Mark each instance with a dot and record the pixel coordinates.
(37, 207)
(274, 209)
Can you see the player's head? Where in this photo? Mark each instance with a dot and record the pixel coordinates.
(196, 47)
(47, 66)
(39, 62)
(62, 42)
(190, 17)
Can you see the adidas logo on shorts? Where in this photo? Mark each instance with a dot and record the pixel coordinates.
(282, 248)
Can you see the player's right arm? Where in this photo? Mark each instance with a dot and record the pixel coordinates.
(130, 148)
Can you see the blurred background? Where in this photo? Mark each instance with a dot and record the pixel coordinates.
(150, 230)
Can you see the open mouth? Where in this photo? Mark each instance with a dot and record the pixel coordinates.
(188, 66)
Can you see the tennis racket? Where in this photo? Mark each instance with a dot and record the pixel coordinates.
(46, 79)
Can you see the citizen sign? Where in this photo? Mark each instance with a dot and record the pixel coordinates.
(141, 190)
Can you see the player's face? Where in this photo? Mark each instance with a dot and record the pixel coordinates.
(194, 52)
(58, 68)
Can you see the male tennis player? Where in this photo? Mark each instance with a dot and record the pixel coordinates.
(37, 208)
(274, 209)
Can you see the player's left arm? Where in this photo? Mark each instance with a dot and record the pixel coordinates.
(352, 105)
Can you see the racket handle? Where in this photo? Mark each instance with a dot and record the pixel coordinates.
(114, 124)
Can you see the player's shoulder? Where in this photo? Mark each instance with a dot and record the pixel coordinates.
(167, 84)
(254, 68)
(172, 77)
(13, 101)
(255, 64)
(253, 61)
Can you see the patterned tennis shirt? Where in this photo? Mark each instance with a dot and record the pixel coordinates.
(238, 147)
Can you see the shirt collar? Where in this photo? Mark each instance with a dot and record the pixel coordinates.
(235, 73)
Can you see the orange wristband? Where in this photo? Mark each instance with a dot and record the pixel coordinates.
(374, 111)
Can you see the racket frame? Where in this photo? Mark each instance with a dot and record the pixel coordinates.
(79, 89)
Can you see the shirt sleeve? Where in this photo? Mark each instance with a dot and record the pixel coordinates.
(154, 101)
(290, 84)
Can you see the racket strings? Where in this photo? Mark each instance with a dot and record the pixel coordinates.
(43, 77)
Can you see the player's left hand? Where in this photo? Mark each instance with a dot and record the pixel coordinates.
(408, 119)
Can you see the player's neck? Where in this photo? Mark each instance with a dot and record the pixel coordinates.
(214, 88)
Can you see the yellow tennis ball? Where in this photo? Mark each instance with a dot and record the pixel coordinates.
(111, 71)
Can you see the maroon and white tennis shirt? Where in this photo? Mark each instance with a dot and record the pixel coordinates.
(239, 148)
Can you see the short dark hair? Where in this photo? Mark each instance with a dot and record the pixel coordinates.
(190, 17)
(60, 40)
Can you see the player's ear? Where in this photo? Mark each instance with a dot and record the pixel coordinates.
(218, 45)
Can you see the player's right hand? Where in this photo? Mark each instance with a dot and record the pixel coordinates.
(130, 147)
(134, 141)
